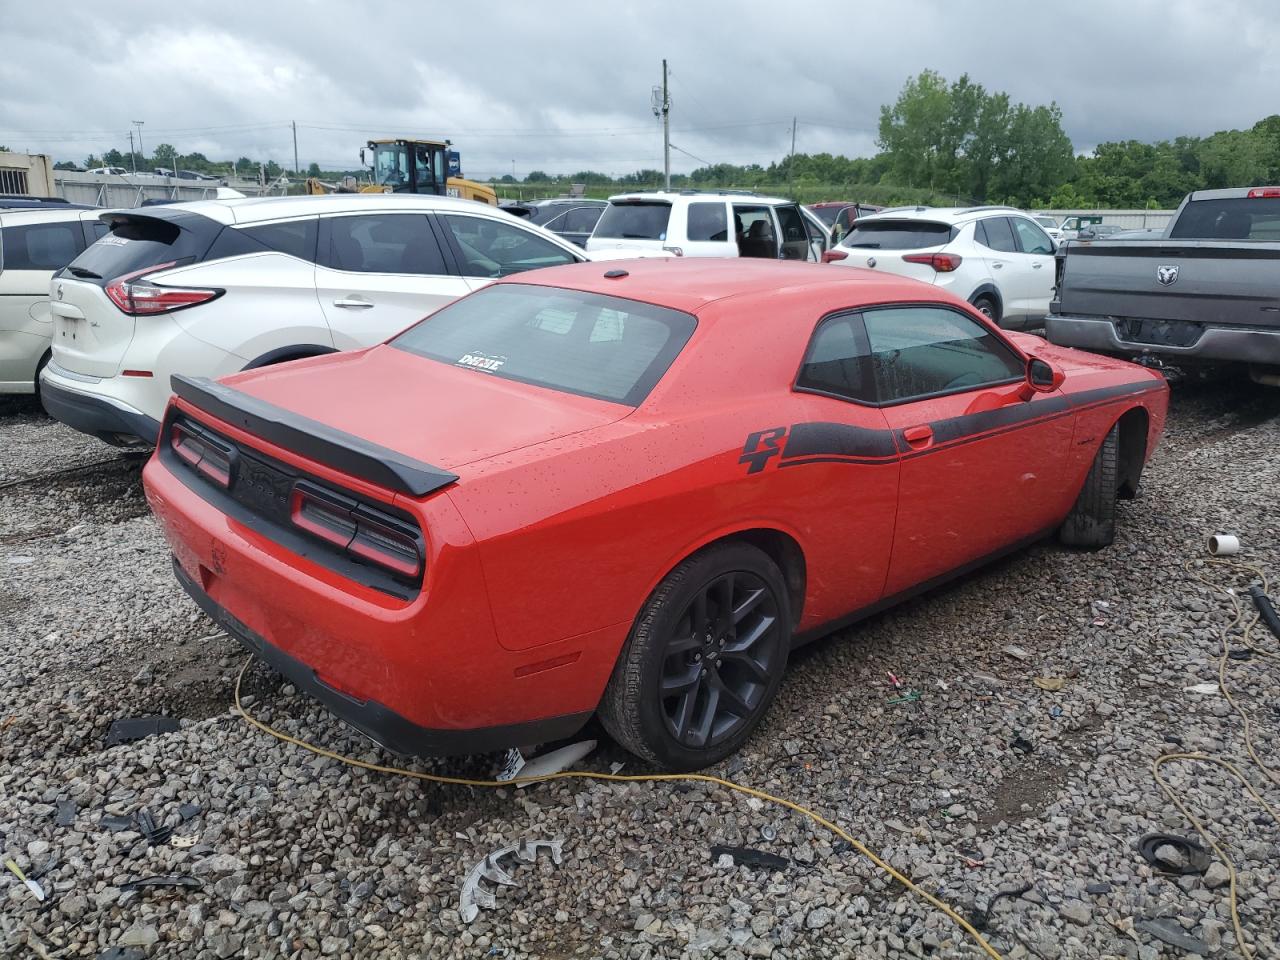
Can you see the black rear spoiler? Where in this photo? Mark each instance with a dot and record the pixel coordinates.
(309, 438)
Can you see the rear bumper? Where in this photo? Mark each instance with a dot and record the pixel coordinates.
(1228, 344)
(93, 415)
(396, 733)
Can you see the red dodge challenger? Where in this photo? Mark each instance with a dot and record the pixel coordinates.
(627, 490)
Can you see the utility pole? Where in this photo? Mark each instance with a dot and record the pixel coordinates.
(133, 157)
(662, 108)
(141, 149)
(294, 124)
(791, 162)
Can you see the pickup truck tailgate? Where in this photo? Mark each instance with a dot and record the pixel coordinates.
(1223, 282)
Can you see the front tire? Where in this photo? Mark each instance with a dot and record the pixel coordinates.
(704, 659)
(1092, 521)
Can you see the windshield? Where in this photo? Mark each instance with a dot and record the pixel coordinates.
(390, 165)
(634, 220)
(896, 234)
(583, 343)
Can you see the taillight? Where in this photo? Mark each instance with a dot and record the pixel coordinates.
(831, 256)
(942, 262)
(136, 296)
(361, 531)
(1257, 193)
(202, 453)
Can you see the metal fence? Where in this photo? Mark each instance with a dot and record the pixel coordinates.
(1128, 219)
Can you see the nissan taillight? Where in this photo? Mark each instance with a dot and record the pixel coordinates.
(362, 532)
(207, 456)
(942, 262)
(137, 296)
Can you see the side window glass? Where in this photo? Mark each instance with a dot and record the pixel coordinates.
(100, 229)
(708, 222)
(999, 235)
(556, 223)
(581, 219)
(1032, 238)
(42, 246)
(490, 248)
(922, 351)
(297, 238)
(795, 241)
(838, 361)
(384, 243)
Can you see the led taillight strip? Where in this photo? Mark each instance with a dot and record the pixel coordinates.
(358, 530)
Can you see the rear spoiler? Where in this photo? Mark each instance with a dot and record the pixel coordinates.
(309, 438)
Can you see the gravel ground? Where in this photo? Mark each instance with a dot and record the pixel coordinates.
(987, 783)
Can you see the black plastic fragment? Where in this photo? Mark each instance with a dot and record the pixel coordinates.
(122, 953)
(1197, 859)
(170, 880)
(135, 728)
(750, 857)
(66, 812)
(189, 811)
(981, 919)
(1240, 653)
(116, 824)
(1020, 743)
(1265, 609)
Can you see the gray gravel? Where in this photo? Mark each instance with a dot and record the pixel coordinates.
(986, 784)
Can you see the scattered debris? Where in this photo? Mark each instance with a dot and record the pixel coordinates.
(893, 681)
(769, 832)
(1098, 888)
(1171, 853)
(67, 811)
(1018, 653)
(616, 767)
(140, 821)
(512, 763)
(1171, 933)
(911, 696)
(981, 919)
(1021, 743)
(1266, 610)
(750, 857)
(189, 811)
(116, 824)
(171, 880)
(1051, 684)
(548, 763)
(971, 859)
(1240, 653)
(182, 843)
(122, 953)
(1201, 688)
(36, 890)
(474, 896)
(136, 728)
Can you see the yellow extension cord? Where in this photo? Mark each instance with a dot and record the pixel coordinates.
(627, 778)
(1231, 768)
(844, 835)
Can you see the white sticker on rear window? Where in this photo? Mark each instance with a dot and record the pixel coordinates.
(114, 240)
(480, 361)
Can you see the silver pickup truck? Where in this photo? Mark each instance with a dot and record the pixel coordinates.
(1208, 290)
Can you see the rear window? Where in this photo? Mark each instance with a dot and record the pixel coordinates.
(138, 242)
(1237, 219)
(826, 214)
(897, 234)
(634, 220)
(40, 246)
(582, 343)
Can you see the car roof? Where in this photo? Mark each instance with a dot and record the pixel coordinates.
(690, 284)
(951, 215)
(17, 216)
(257, 209)
(695, 196)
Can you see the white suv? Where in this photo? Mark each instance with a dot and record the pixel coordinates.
(691, 223)
(35, 242)
(997, 258)
(216, 286)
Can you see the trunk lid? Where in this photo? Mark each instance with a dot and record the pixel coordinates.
(438, 414)
(91, 334)
(881, 244)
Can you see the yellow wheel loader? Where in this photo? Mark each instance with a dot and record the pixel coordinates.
(411, 166)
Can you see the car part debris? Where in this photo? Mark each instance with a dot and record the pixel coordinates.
(67, 810)
(911, 696)
(1224, 544)
(136, 728)
(1051, 684)
(154, 835)
(1171, 933)
(1018, 653)
(769, 832)
(1195, 858)
(189, 811)
(36, 890)
(122, 953)
(1201, 688)
(182, 843)
(116, 824)
(171, 880)
(1266, 609)
(1019, 742)
(750, 857)
(981, 919)
(474, 896)
(548, 763)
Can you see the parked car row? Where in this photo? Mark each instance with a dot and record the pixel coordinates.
(399, 513)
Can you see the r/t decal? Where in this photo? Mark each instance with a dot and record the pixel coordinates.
(762, 445)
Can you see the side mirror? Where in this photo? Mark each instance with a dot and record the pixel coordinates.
(1042, 377)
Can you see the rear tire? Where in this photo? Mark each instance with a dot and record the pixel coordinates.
(704, 659)
(1092, 521)
(986, 306)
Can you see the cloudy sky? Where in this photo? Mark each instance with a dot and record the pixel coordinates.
(563, 85)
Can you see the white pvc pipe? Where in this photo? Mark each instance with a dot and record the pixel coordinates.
(1224, 544)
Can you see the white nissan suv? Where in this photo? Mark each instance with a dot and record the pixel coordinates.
(216, 286)
(997, 258)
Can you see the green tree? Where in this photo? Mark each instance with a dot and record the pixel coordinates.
(536, 176)
(166, 156)
(313, 170)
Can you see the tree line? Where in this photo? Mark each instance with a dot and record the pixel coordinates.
(939, 142)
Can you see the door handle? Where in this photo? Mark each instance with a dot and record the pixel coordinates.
(997, 265)
(1036, 266)
(358, 303)
(918, 437)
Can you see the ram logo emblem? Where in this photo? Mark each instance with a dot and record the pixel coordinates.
(1167, 274)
